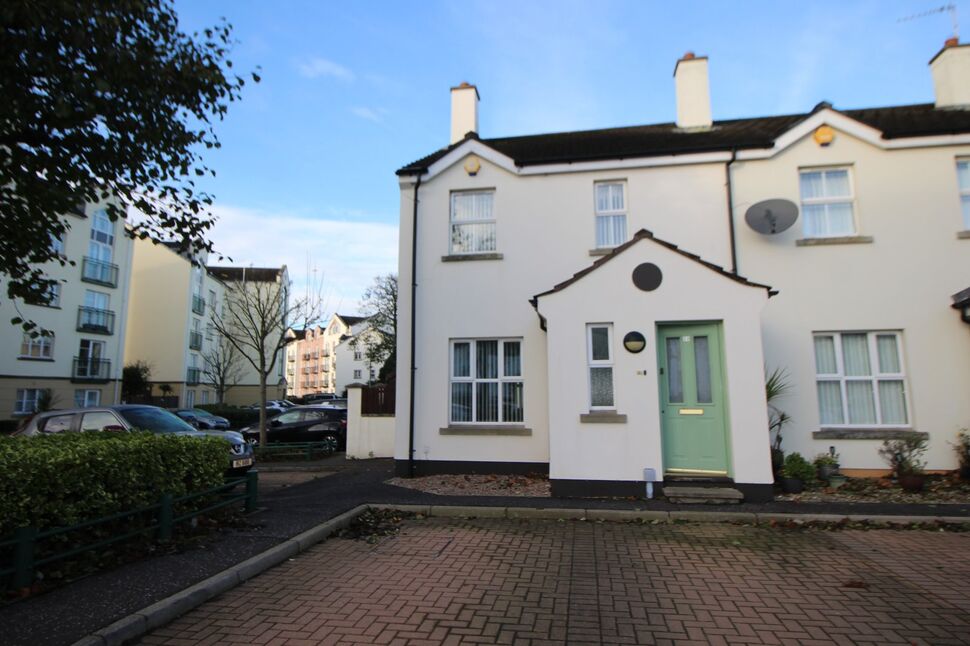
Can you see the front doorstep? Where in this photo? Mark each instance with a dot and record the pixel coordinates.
(562, 488)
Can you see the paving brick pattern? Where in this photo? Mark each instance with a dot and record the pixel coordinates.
(484, 581)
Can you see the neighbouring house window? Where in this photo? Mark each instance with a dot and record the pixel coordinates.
(90, 362)
(41, 347)
(26, 402)
(472, 222)
(860, 379)
(358, 355)
(87, 398)
(486, 381)
(827, 203)
(963, 175)
(599, 353)
(610, 214)
(357, 374)
(205, 396)
(54, 295)
(102, 237)
(57, 244)
(189, 398)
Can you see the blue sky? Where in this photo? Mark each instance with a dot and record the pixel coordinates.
(353, 90)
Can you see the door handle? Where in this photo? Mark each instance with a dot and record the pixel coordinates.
(691, 411)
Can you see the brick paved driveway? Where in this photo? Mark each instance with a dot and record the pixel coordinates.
(546, 582)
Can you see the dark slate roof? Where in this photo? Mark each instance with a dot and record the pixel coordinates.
(645, 234)
(298, 335)
(352, 320)
(666, 139)
(259, 274)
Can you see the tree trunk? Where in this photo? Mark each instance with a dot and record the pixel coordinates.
(262, 409)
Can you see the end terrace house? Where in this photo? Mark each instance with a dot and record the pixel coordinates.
(603, 305)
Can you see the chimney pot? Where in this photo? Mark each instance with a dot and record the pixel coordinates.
(688, 56)
(953, 41)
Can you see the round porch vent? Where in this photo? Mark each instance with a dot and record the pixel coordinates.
(647, 276)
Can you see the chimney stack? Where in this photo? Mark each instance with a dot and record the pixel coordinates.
(464, 111)
(693, 92)
(951, 75)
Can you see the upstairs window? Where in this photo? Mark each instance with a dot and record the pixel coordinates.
(827, 203)
(963, 176)
(610, 214)
(41, 347)
(472, 222)
(102, 237)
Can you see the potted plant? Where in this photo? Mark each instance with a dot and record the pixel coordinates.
(776, 386)
(827, 464)
(962, 448)
(836, 480)
(796, 473)
(905, 458)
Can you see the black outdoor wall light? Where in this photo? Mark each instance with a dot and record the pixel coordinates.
(634, 342)
(961, 302)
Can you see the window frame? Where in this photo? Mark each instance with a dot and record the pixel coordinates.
(501, 379)
(21, 399)
(84, 393)
(597, 214)
(850, 199)
(40, 342)
(873, 378)
(599, 363)
(452, 223)
(963, 194)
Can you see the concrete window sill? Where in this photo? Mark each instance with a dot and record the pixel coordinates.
(866, 434)
(35, 359)
(477, 429)
(601, 251)
(963, 235)
(815, 242)
(602, 417)
(471, 256)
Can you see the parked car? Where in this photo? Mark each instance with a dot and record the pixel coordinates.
(318, 397)
(304, 424)
(203, 419)
(131, 417)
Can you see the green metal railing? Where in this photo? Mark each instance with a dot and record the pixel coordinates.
(306, 449)
(19, 570)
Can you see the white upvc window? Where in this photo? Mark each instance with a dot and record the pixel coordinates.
(40, 347)
(357, 374)
(87, 398)
(963, 177)
(486, 381)
(26, 402)
(102, 237)
(610, 200)
(599, 355)
(205, 397)
(472, 222)
(828, 202)
(54, 295)
(57, 244)
(190, 399)
(861, 379)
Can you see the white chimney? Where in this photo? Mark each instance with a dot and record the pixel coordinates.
(951, 75)
(693, 92)
(464, 111)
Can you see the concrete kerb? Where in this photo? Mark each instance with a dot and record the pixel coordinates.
(164, 611)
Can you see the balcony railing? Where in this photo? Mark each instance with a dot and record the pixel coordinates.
(192, 376)
(95, 321)
(100, 272)
(198, 304)
(195, 340)
(90, 370)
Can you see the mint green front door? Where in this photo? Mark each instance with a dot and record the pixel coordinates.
(692, 406)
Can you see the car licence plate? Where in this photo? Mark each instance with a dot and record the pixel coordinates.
(245, 462)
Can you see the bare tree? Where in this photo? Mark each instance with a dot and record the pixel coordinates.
(254, 321)
(379, 304)
(222, 366)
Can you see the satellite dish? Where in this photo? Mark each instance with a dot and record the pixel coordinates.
(771, 216)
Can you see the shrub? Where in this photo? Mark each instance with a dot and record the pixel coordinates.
(904, 456)
(962, 448)
(798, 467)
(831, 459)
(66, 479)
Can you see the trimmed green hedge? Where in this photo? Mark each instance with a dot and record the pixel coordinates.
(69, 478)
(238, 417)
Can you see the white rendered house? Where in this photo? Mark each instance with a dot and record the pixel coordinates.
(594, 304)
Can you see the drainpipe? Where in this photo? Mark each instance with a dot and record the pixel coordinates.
(730, 210)
(414, 308)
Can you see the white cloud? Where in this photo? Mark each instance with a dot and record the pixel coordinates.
(370, 114)
(316, 67)
(346, 255)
